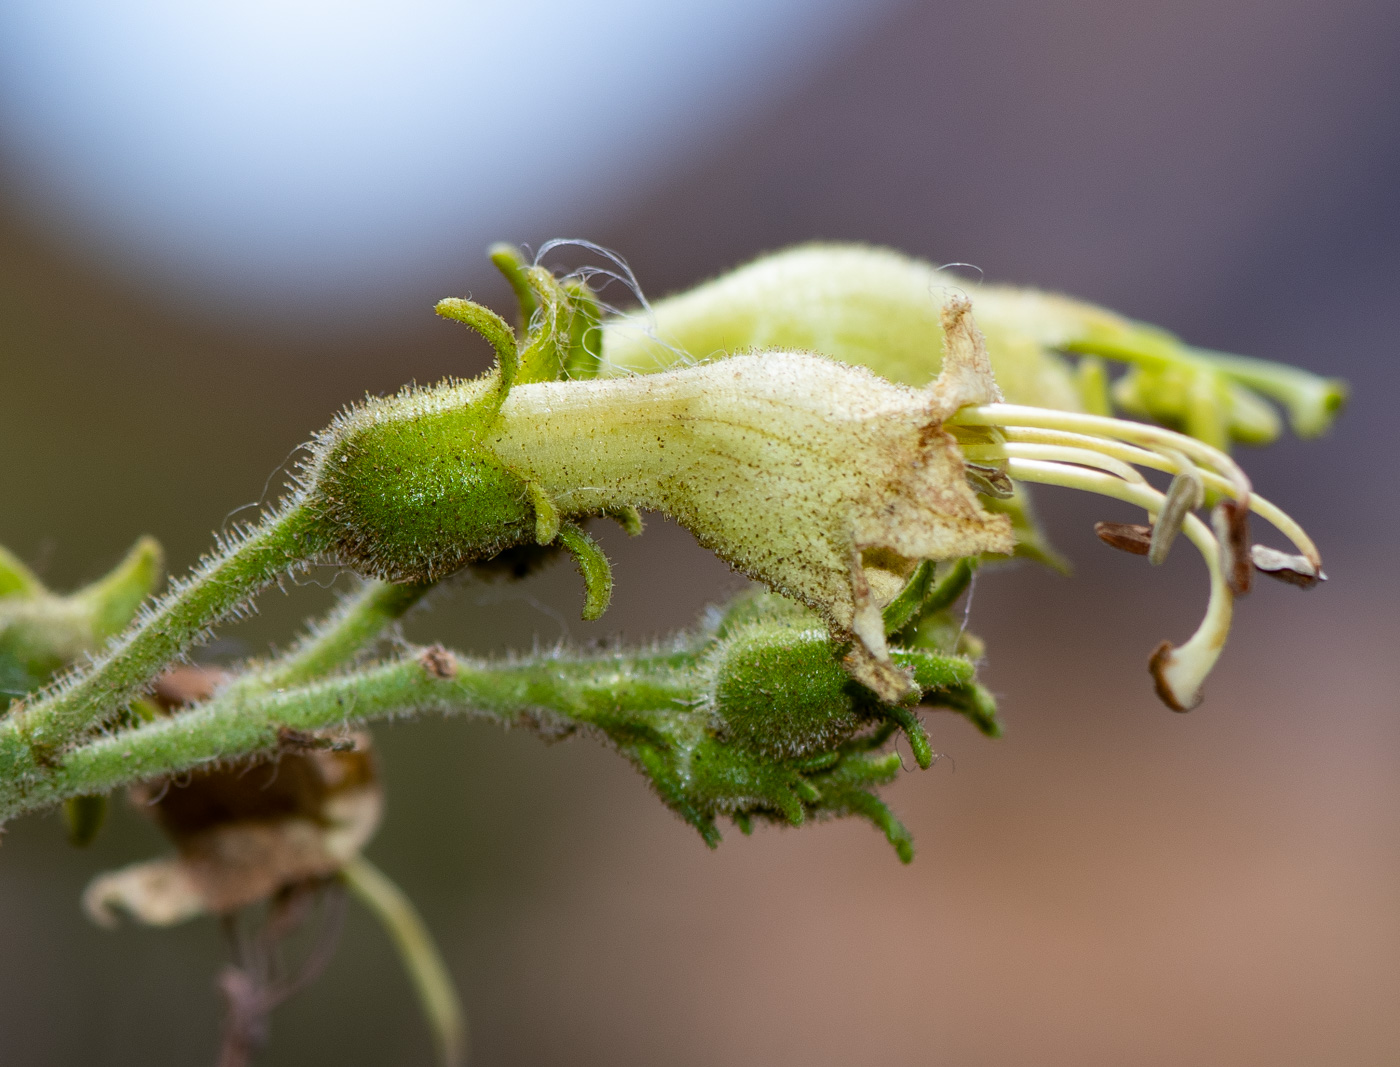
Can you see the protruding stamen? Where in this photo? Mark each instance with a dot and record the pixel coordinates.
(1099, 426)
(1084, 456)
(1177, 672)
(1021, 439)
(1097, 454)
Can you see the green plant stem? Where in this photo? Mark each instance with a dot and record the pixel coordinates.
(34, 736)
(341, 636)
(431, 979)
(240, 723)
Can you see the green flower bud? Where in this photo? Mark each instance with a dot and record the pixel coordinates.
(41, 632)
(781, 691)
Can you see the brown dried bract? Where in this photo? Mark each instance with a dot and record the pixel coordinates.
(242, 833)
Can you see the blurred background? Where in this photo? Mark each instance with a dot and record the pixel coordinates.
(220, 222)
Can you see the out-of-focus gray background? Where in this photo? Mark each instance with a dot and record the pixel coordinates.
(213, 234)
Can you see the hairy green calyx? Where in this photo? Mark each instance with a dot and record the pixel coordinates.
(406, 489)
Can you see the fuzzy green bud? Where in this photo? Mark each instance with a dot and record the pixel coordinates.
(781, 691)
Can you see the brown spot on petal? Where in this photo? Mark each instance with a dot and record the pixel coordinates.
(1125, 536)
(438, 662)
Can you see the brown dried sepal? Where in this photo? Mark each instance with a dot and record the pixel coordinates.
(244, 832)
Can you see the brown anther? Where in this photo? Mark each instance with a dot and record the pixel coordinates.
(1184, 495)
(1157, 665)
(438, 662)
(1231, 522)
(1295, 570)
(989, 481)
(1125, 536)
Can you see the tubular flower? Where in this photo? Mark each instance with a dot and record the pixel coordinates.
(822, 480)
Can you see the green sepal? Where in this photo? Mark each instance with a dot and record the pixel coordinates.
(901, 610)
(593, 565)
(973, 702)
(15, 578)
(922, 596)
(916, 734)
(545, 351)
(492, 327)
(547, 517)
(113, 599)
(511, 263)
(628, 517)
(585, 355)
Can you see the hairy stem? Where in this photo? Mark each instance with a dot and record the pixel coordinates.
(240, 723)
(33, 736)
(356, 621)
